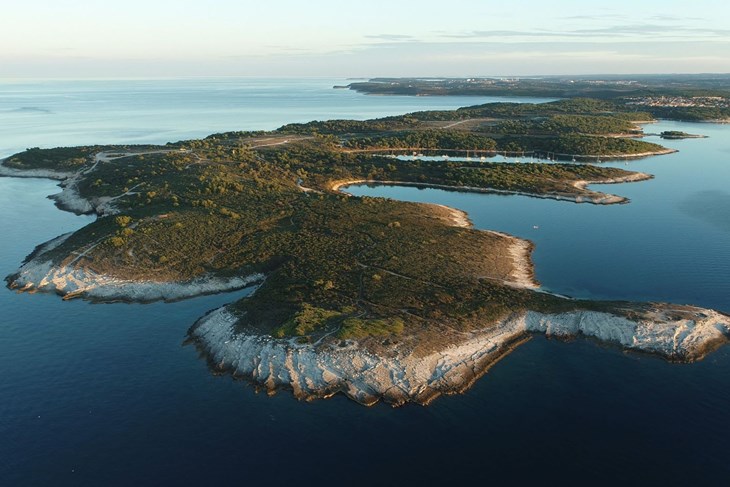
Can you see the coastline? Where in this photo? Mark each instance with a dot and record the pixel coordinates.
(459, 218)
(366, 373)
(620, 157)
(417, 366)
(321, 370)
(560, 155)
(69, 199)
(520, 250)
(40, 274)
(611, 198)
(594, 197)
(12, 172)
(523, 272)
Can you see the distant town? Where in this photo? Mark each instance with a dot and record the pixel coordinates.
(680, 101)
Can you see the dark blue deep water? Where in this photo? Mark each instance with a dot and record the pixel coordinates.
(109, 395)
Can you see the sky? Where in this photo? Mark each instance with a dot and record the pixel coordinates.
(173, 38)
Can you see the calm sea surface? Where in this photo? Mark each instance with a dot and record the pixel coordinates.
(109, 395)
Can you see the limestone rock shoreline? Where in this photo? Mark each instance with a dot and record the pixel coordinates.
(32, 173)
(310, 371)
(68, 199)
(39, 273)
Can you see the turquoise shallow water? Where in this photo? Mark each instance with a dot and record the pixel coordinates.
(109, 395)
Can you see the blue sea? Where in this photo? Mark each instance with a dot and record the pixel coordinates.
(108, 394)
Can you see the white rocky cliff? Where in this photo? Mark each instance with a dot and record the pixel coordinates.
(320, 370)
(40, 273)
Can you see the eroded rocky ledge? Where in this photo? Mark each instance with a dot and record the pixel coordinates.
(40, 273)
(32, 173)
(677, 333)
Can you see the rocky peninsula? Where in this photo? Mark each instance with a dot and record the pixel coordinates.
(402, 373)
(373, 298)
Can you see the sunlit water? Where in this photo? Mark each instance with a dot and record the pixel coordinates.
(109, 395)
(49, 114)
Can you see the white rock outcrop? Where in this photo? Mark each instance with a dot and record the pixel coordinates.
(320, 370)
(69, 198)
(32, 173)
(39, 274)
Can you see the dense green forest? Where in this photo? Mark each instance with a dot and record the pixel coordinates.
(568, 124)
(582, 146)
(692, 114)
(335, 127)
(426, 139)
